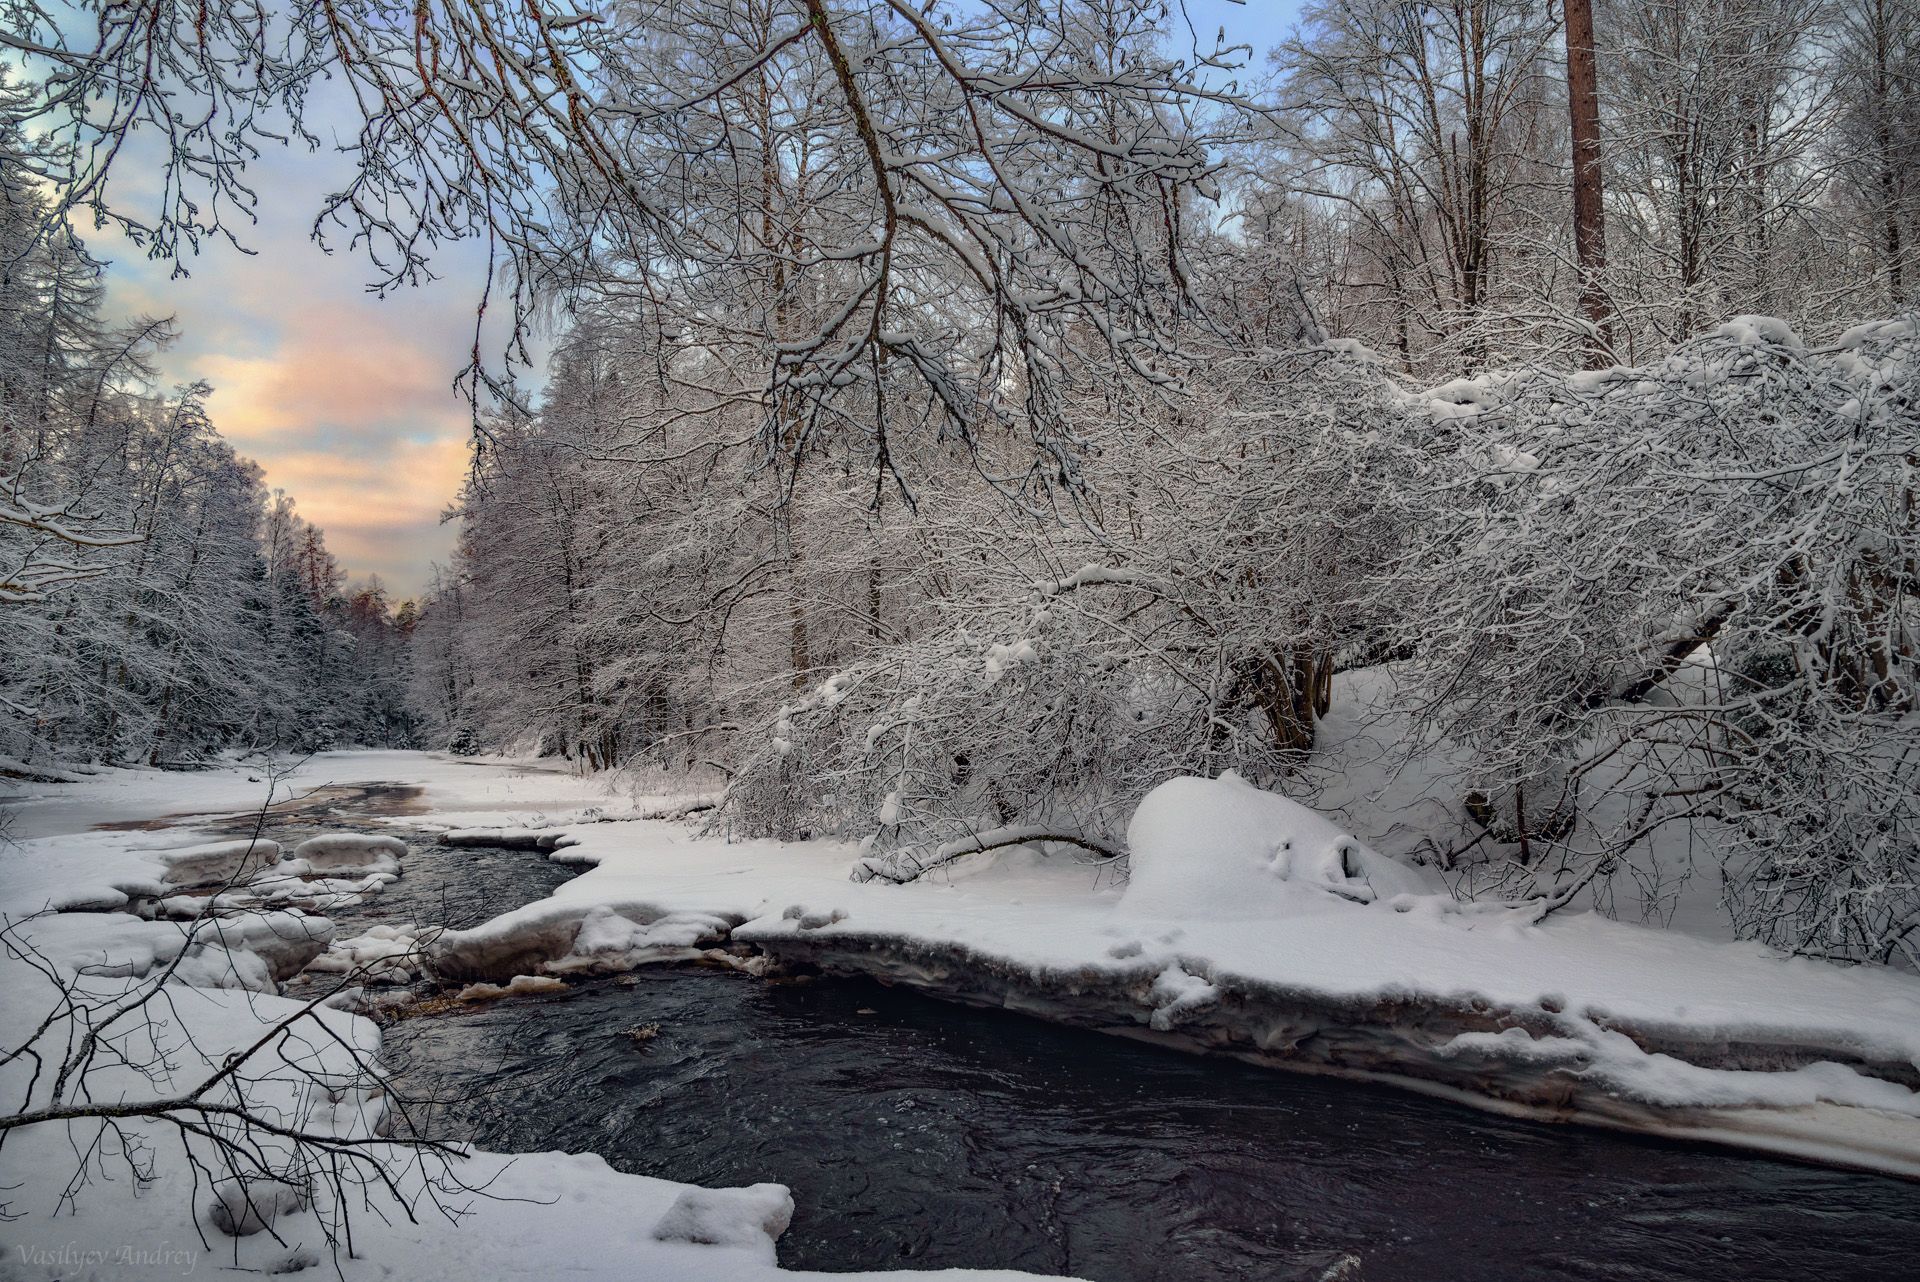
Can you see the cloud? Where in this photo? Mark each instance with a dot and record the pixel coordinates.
(362, 374)
(345, 399)
(381, 514)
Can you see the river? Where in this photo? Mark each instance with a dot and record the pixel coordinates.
(916, 1133)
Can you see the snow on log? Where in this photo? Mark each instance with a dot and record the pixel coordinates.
(558, 938)
(1092, 575)
(346, 852)
(219, 862)
(14, 768)
(1221, 849)
(911, 861)
(501, 838)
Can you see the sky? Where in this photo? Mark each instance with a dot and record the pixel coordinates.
(345, 399)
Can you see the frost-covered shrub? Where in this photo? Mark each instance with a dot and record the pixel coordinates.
(1065, 673)
(1646, 617)
(1678, 604)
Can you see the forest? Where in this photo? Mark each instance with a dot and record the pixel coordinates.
(958, 423)
(1388, 549)
(161, 603)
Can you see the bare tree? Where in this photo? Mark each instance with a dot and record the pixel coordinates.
(973, 151)
(1420, 123)
(1877, 45)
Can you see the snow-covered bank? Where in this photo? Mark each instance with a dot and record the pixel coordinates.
(137, 1207)
(531, 1216)
(1272, 936)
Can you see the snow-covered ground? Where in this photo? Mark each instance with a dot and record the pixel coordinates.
(141, 1211)
(1255, 927)
(1250, 925)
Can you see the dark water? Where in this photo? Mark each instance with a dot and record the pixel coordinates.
(918, 1134)
(439, 885)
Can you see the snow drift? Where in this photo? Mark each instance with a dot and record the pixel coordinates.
(1254, 927)
(1223, 849)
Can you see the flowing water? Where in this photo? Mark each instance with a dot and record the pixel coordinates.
(919, 1134)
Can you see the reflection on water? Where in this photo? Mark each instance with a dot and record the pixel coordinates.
(342, 802)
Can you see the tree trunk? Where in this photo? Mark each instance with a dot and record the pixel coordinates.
(1589, 209)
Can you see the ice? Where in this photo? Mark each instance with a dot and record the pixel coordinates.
(518, 986)
(1178, 993)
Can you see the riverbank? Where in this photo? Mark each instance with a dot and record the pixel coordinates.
(1577, 1019)
(94, 924)
(1582, 1019)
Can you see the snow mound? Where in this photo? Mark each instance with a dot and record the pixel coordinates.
(381, 955)
(243, 1207)
(254, 951)
(283, 942)
(220, 861)
(347, 852)
(1223, 849)
(753, 1216)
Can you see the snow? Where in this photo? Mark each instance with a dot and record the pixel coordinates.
(1243, 902)
(297, 889)
(219, 862)
(1238, 898)
(755, 1216)
(350, 853)
(494, 1216)
(1090, 575)
(1756, 331)
(1177, 994)
(518, 986)
(1220, 849)
(1002, 659)
(380, 954)
(506, 838)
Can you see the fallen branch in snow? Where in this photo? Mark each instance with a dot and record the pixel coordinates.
(903, 865)
(12, 768)
(675, 809)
